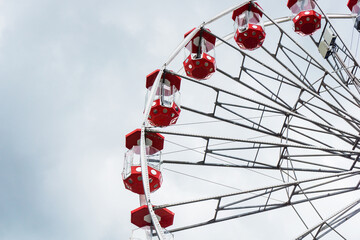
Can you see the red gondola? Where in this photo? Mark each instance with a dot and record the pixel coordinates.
(354, 6)
(165, 110)
(132, 167)
(249, 32)
(200, 63)
(306, 19)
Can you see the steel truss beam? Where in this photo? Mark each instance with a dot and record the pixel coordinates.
(304, 87)
(339, 55)
(274, 103)
(270, 109)
(332, 222)
(244, 203)
(314, 97)
(233, 160)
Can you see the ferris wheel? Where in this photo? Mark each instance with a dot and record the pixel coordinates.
(266, 136)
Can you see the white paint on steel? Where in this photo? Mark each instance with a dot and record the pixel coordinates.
(145, 177)
(144, 164)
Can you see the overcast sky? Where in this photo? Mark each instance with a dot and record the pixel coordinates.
(72, 84)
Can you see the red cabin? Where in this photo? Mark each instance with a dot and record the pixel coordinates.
(165, 110)
(249, 32)
(354, 6)
(141, 217)
(154, 143)
(306, 20)
(200, 64)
